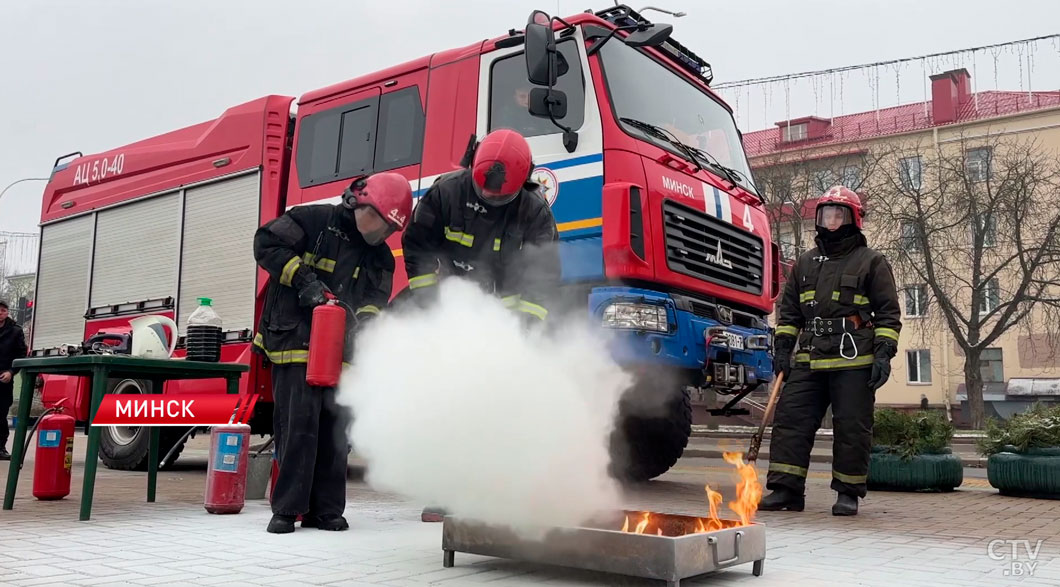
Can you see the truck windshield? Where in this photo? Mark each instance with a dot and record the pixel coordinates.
(643, 90)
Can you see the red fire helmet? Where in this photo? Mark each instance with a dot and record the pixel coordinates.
(501, 166)
(387, 193)
(843, 196)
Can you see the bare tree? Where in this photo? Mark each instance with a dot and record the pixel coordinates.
(977, 222)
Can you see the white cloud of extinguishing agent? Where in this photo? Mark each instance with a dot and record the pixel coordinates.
(459, 406)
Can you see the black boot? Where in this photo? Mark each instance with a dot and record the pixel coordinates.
(333, 523)
(4, 455)
(281, 524)
(845, 505)
(432, 514)
(782, 499)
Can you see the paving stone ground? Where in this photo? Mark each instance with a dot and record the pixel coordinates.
(897, 539)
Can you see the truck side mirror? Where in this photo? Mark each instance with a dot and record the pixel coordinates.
(652, 36)
(548, 103)
(541, 62)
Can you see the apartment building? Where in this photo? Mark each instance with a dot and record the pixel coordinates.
(798, 159)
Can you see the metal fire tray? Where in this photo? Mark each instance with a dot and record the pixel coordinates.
(600, 545)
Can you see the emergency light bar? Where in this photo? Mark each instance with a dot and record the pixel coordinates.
(625, 16)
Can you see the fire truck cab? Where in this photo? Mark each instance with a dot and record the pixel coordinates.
(664, 239)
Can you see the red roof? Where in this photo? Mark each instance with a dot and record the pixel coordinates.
(901, 119)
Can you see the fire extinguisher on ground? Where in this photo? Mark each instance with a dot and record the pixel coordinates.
(226, 473)
(54, 458)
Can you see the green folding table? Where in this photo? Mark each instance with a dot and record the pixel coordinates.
(99, 369)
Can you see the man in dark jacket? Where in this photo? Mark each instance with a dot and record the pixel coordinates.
(488, 224)
(841, 304)
(12, 346)
(310, 252)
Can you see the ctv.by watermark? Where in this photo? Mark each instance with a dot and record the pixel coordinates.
(1021, 555)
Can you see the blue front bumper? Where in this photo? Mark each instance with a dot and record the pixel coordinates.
(684, 346)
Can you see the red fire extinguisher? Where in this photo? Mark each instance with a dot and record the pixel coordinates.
(327, 340)
(226, 473)
(55, 454)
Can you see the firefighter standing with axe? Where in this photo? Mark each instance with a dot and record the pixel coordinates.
(841, 305)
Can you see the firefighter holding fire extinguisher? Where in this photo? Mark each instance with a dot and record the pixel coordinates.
(312, 252)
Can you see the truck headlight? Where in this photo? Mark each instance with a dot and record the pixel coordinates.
(636, 317)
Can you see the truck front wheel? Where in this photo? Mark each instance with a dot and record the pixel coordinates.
(125, 447)
(650, 434)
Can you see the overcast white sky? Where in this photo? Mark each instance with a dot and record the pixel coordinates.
(90, 75)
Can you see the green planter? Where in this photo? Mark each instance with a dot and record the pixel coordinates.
(1034, 472)
(939, 470)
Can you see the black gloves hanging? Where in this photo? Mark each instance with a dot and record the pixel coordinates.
(881, 364)
(782, 345)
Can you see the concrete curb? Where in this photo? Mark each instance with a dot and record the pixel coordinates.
(745, 432)
(976, 462)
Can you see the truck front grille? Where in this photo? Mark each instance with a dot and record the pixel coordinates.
(708, 248)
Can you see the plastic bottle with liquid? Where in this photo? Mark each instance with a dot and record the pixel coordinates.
(203, 339)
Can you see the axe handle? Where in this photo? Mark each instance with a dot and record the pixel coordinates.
(756, 439)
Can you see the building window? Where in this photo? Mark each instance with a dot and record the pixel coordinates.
(991, 296)
(919, 366)
(789, 244)
(909, 239)
(987, 226)
(510, 94)
(851, 176)
(909, 172)
(822, 180)
(992, 366)
(977, 164)
(795, 132)
(915, 300)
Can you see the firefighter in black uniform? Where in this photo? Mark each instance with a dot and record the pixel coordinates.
(841, 305)
(310, 251)
(488, 224)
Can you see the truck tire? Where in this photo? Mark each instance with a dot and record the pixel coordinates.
(646, 445)
(125, 447)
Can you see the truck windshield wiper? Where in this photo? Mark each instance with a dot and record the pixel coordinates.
(696, 156)
(665, 135)
(731, 173)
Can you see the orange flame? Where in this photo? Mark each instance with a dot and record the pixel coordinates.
(748, 491)
(643, 524)
(748, 494)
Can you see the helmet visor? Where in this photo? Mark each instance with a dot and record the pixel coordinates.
(494, 197)
(372, 226)
(832, 216)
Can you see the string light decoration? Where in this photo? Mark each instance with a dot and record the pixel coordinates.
(871, 89)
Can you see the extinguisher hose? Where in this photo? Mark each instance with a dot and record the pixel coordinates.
(175, 446)
(25, 448)
(265, 446)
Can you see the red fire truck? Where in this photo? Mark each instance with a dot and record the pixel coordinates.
(665, 240)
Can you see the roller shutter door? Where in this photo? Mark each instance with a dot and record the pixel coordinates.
(219, 224)
(62, 288)
(137, 248)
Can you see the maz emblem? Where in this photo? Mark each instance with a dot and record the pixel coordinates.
(718, 258)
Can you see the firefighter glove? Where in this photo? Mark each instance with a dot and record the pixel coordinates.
(783, 346)
(881, 365)
(311, 294)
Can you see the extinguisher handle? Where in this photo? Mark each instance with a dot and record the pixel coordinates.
(329, 295)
